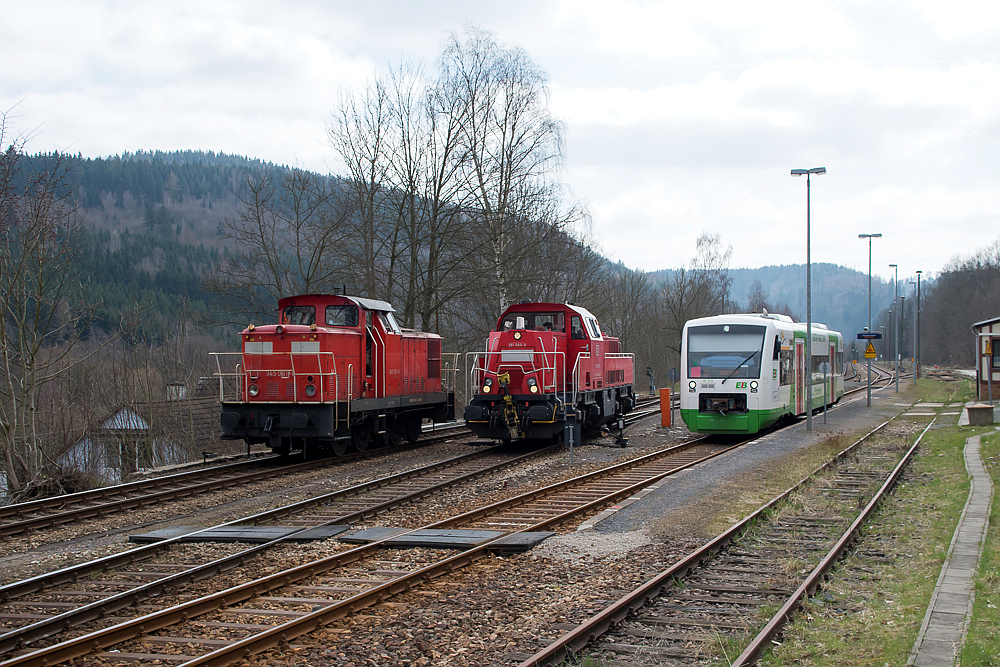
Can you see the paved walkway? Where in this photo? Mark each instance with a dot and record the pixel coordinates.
(950, 608)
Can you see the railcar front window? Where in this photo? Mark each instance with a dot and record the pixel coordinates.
(725, 350)
(342, 316)
(299, 315)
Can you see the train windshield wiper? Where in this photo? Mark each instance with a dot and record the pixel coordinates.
(738, 366)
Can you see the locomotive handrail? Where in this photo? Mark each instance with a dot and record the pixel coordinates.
(243, 374)
(452, 372)
(576, 372)
(476, 371)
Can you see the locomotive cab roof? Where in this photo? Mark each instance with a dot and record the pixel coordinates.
(335, 299)
(328, 310)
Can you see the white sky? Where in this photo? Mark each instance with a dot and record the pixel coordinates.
(681, 116)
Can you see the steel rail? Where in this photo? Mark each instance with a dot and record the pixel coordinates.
(88, 512)
(129, 487)
(815, 578)
(587, 632)
(85, 644)
(14, 638)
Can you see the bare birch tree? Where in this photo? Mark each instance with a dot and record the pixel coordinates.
(44, 309)
(286, 239)
(359, 133)
(511, 145)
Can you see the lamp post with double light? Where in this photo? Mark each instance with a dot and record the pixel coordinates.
(809, 360)
(869, 237)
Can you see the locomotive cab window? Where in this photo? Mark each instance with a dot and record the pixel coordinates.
(725, 351)
(595, 330)
(388, 322)
(299, 315)
(535, 321)
(577, 328)
(342, 316)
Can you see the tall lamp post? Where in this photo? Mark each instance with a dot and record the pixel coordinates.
(809, 360)
(895, 323)
(916, 334)
(869, 237)
(914, 343)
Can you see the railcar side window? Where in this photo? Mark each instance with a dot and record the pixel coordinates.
(342, 316)
(785, 374)
(299, 315)
(777, 348)
(577, 328)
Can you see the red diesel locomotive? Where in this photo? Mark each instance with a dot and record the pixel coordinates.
(543, 360)
(335, 370)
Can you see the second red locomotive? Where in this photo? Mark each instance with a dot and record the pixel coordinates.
(335, 370)
(543, 362)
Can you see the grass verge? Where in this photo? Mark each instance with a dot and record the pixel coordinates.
(870, 610)
(982, 645)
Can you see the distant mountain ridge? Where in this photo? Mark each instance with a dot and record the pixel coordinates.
(839, 294)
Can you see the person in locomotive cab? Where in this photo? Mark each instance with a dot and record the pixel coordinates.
(577, 329)
(300, 315)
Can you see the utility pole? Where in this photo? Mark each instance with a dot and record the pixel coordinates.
(895, 323)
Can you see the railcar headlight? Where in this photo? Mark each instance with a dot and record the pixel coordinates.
(533, 385)
(488, 385)
(310, 390)
(692, 385)
(279, 329)
(517, 335)
(753, 386)
(253, 390)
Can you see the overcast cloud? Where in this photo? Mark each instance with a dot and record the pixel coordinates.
(680, 117)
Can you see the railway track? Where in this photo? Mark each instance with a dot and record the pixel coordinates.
(82, 593)
(222, 627)
(49, 513)
(58, 511)
(715, 597)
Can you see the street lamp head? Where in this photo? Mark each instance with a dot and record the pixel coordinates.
(869, 236)
(919, 272)
(892, 266)
(803, 172)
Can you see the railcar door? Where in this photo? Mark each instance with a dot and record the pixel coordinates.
(831, 384)
(800, 376)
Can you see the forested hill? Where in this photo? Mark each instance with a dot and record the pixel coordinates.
(155, 218)
(153, 222)
(839, 294)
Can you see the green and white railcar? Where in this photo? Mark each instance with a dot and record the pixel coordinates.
(744, 373)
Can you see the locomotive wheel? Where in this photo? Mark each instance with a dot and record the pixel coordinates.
(393, 432)
(339, 447)
(361, 435)
(413, 429)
